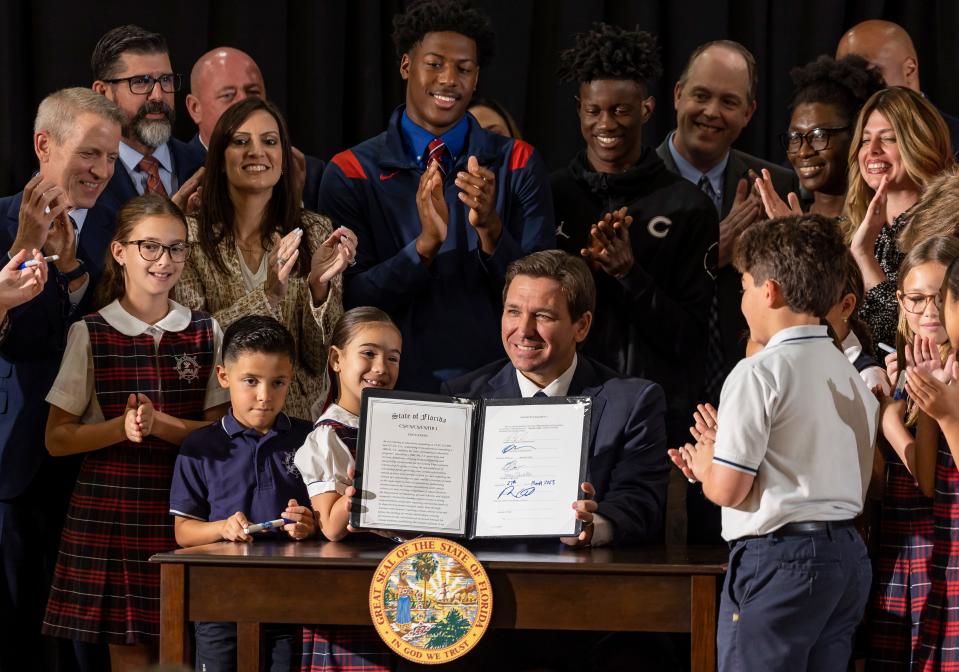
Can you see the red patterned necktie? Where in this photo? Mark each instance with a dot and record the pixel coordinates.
(436, 151)
(151, 166)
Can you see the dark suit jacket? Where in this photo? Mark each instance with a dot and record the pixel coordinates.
(314, 173)
(186, 161)
(627, 444)
(31, 353)
(732, 324)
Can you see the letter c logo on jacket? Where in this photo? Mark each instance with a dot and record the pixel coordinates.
(658, 226)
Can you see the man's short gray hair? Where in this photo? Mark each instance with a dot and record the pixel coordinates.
(58, 112)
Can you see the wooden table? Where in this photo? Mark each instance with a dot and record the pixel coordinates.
(536, 585)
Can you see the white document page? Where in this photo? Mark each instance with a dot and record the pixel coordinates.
(529, 470)
(416, 465)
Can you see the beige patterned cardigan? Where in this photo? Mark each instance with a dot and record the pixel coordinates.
(203, 287)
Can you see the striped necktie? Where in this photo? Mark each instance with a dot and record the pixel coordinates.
(151, 166)
(715, 355)
(436, 151)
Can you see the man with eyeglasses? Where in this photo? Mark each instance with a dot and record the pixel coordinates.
(131, 67)
(59, 211)
(715, 99)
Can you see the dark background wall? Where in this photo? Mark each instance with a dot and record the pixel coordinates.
(330, 64)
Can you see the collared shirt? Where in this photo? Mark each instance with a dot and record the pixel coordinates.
(73, 389)
(227, 467)
(416, 139)
(130, 158)
(557, 388)
(323, 460)
(690, 172)
(798, 418)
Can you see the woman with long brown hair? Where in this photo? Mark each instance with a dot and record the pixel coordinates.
(258, 251)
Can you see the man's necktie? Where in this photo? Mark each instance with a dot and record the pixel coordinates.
(436, 152)
(715, 357)
(151, 166)
(540, 393)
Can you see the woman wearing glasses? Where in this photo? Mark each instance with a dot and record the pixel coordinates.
(827, 96)
(256, 251)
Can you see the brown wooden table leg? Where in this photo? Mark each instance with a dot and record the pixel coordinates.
(702, 624)
(249, 636)
(173, 635)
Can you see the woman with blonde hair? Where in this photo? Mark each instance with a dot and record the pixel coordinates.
(900, 143)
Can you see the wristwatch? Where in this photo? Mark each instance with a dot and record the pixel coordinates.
(75, 273)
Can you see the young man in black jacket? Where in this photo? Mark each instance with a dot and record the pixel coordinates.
(649, 235)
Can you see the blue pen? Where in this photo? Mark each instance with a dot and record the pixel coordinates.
(900, 391)
(30, 263)
(268, 525)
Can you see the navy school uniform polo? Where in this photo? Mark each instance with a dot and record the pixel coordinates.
(226, 467)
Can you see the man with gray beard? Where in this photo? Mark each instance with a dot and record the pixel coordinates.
(131, 67)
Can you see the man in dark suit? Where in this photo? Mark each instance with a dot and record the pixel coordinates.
(548, 309)
(715, 98)
(76, 141)
(131, 67)
(224, 76)
(888, 46)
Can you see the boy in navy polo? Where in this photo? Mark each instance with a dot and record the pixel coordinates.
(791, 460)
(240, 470)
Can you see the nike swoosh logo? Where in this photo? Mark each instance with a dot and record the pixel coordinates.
(386, 176)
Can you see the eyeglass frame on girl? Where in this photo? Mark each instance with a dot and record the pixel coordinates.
(187, 247)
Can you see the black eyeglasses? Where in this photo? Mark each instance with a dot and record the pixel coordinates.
(141, 84)
(816, 138)
(151, 250)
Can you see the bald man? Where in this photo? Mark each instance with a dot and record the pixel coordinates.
(224, 76)
(888, 46)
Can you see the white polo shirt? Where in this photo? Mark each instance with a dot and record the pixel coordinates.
(799, 418)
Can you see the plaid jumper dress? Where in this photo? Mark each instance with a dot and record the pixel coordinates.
(104, 590)
(344, 648)
(939, 632)
(901, 569)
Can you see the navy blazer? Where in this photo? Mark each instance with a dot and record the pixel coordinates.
(627, 440)
(31, 353)
(186, 161)
(314, 173)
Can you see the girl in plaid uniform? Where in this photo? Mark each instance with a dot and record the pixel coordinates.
(135, 379)
(934, 385)
(906, 538)
(364, 352)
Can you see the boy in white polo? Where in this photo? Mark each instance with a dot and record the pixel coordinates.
(791, 461)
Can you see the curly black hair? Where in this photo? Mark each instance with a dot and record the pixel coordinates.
(611, 52)
(845, 84)
(438, 16)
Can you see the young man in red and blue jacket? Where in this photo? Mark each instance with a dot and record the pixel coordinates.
(439, 205)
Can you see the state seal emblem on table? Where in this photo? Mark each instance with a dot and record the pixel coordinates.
(431, 600)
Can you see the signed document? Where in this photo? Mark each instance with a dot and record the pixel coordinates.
(496, 468)
(530, 465)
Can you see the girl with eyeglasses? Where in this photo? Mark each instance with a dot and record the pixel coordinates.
(137, 376)
(902, 569)
(827, 96)
(934, 385)
(258, 252)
